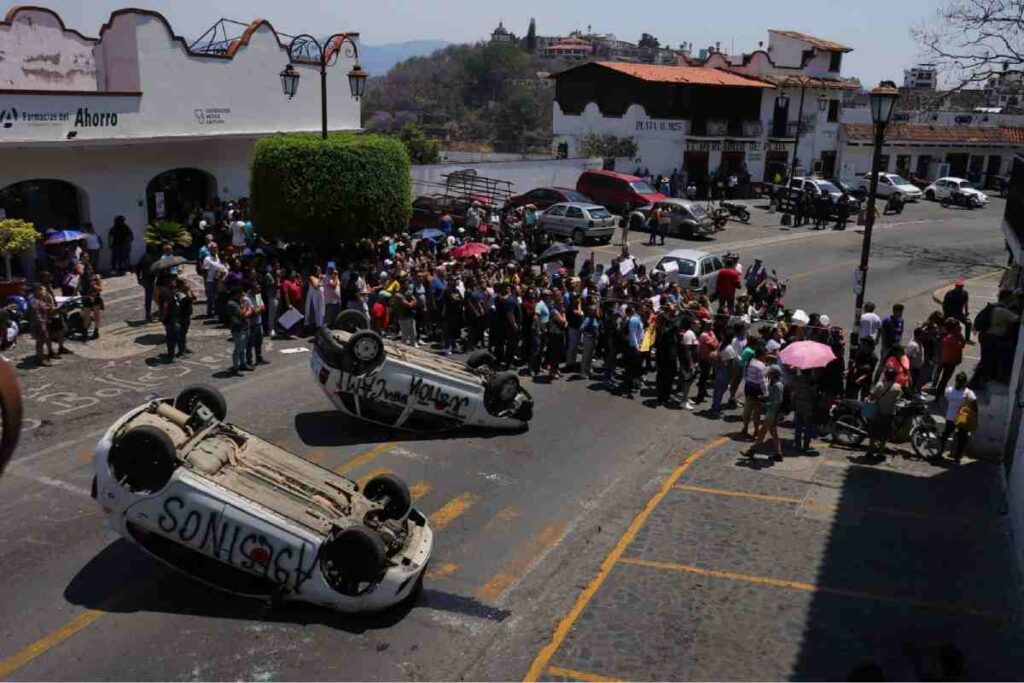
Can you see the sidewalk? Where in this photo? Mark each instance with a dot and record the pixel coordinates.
(814, 568)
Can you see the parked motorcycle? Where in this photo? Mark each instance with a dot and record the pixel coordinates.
(741, 211)
(894, 204)
(912, 422)
(958, 198)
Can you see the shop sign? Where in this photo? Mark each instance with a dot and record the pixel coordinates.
(212, 116)
(83, 117)
(722, 145)
(651, 124)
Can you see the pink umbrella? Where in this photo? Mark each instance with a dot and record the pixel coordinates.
(804, 355)
(471, 249)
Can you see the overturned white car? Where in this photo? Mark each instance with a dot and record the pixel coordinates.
(401, 386)
(243, 515)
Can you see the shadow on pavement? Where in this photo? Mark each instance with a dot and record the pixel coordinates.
(327, 428)
(123, 579)
(916, 581)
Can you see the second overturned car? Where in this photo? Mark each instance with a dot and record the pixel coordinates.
(396, 385)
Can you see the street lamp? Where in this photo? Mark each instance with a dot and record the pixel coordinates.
(883, 102)
(305, 49)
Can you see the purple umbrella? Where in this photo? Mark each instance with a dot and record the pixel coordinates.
(62, 236)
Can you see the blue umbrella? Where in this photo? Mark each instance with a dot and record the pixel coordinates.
(428, 233)
(62, 236)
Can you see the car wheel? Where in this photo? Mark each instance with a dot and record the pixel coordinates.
(143, 459)
(481, 358)
(503, 388)
(392, 493)
(367, 350)
(353, 559)
(945, 202)
(930, 195)
(577, 236)
(192, 397)
(350, 321)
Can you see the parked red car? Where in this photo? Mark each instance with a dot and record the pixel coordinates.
(619, 192)
(544, 197)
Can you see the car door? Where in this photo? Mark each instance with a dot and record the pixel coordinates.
(574, 219)
(941, 189)
(707, 270)
(552, 219)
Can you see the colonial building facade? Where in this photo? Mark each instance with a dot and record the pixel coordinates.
(135, 122)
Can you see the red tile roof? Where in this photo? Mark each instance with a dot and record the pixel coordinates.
(812, 82)
(819, 43)
(685, 75)
(923, 132)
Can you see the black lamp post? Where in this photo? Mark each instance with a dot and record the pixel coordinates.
(883, 102)
(783, 100)
(305, 49)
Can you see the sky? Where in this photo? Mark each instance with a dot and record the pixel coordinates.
(878, 30)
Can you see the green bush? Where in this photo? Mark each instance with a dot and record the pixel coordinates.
(15, 237)
(169, 232)
(347, 187)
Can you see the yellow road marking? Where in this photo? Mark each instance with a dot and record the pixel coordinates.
(451, 510)
(365, 457)
(543, 658)
(444, 570)
(521, 558)
(819, 506)
(376, 472)
(738, 494)
(419, 489)
(507, 515)
(47, 642)
(577, 675)
(84, 457)
(316, 455)
(810, 587)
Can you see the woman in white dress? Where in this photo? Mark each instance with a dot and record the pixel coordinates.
(315, 300)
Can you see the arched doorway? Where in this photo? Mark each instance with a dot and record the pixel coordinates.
(174, 194)
(47, 203)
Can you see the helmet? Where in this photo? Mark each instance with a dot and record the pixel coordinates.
(18, 302)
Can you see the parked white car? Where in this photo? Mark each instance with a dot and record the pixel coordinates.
(241, 514)
(944, 187)
(892, 183)
(691, 269)
(579, 222)
(397, 385)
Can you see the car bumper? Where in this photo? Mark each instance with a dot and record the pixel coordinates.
(600, 233)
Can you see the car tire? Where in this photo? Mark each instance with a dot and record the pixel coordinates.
(352, 558)
(578, 237)
(481, 358)
(333, 352)
(945, 202)
(392, 490)
(367, 351)
(350, 321)
(143, 459)
(191, 397)
(502, 389)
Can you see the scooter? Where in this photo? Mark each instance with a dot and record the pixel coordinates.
(958, 198)
(912, 422)
(741, 211)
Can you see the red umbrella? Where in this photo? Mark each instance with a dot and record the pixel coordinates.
(471, 249)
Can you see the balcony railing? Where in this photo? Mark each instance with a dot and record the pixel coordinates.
(717, 127)
(752, 129)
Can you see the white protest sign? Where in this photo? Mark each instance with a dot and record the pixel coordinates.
(626, 267)
(670, 266)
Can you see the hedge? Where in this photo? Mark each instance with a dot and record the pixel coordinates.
(347, 187)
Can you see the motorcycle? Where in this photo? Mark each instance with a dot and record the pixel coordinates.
(719, 215)
(741, 211)
(912, 422)
(894, 204)
(958, 198)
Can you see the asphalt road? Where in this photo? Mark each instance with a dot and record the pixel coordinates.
(522, 520)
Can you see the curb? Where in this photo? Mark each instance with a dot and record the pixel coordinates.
(939, 293)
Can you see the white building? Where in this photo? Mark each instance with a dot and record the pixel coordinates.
(135, 123)
(921, 77)
(723, 115)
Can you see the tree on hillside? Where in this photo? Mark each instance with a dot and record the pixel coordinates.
(971, 41)
(530, 42)
(648, 41)
(598, 145)
(422, 150)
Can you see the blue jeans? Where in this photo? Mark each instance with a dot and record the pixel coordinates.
(255, 345)
(803, 430)
(240, 338)
(722, 377)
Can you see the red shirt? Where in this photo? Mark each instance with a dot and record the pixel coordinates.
(902, 367)
(292, 292)
(729, 280)
(952, 348)
(379, 315)
(708, 345)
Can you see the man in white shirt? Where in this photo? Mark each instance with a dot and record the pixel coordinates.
(215, 270)
(237, 231)
(956, 396)
(870, 323)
